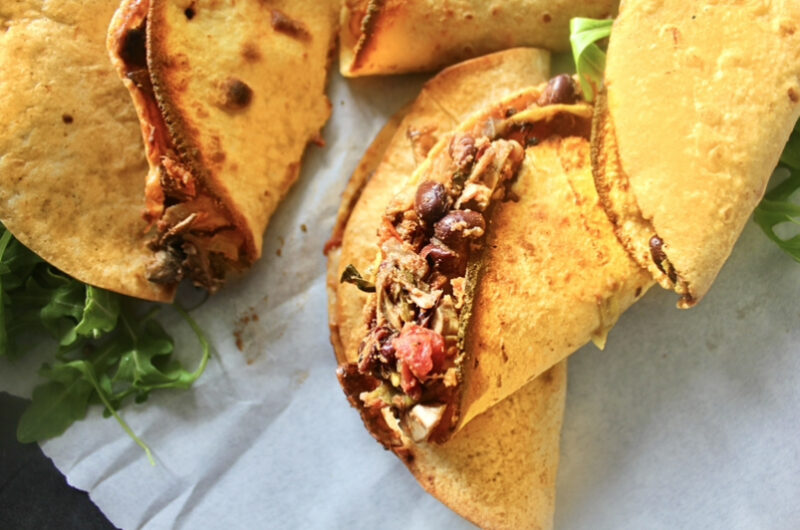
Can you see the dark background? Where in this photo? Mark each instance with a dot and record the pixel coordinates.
(33, 493)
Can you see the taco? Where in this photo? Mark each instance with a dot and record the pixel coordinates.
(225, 116)
(500, 470)
(394, 36)
(699, 101)
(71, 159)
(495, 261)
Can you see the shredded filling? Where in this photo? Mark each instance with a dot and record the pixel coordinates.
(195, 236)
(429, 244)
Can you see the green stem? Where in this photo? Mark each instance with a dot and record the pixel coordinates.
(123, 424)
(200, 337)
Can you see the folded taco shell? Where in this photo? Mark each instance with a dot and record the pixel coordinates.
(394, 36)
(553, 275)
(228, 94)
(71, 157)
(499, 471)
(700, 100)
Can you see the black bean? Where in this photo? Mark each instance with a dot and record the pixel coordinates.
(459, 225)
(431, 201)
(657, 252)
(560, 89)
(445, 260)
(462, 151)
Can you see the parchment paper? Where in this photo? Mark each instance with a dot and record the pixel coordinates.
(688, 419)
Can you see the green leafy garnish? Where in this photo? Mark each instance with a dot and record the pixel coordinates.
(777, 208)
(590, 60)
(351, 275)
(107, 347)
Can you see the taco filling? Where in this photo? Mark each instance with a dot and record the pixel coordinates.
(430, 242)
(195, 236)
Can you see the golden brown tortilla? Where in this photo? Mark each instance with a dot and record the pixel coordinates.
(499, 471)
(395, 36)
(700, 101)
(229, 94)
(554, 274)
(71, 158)
(251, 156)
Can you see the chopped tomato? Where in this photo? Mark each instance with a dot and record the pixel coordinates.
(420, 349)
(409, 383)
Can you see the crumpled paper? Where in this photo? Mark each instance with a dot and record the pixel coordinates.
(688, 419)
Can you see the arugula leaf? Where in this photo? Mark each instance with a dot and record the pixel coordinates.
(107, 347)
(791, 153)
(4, 241)
(590, 60)
(65, 304)
(777, 209)
(56, 405)
(100, 313)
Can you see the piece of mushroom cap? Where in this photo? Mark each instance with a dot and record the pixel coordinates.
(422, 419)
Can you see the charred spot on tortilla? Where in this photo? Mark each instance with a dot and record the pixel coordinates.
(133, 47)
(236, 94)
(282, 23)
(251, 53)
(67, 119)
(189, 12)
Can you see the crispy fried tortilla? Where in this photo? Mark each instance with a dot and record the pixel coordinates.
(500, 470)
(71, 158)
(495, 262)
(700, 101)
(395, 36)
(228, 95)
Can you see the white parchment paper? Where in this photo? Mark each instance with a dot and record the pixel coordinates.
(688, 419)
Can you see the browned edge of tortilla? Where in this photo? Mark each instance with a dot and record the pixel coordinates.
(352, 382)
(610, 180)
(184, 138)
(350, 196)
(373, 16)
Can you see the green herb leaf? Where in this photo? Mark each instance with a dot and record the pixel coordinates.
(791, 153)
(351, 275)
(100, 313)
(56, 405)
(65, 307)
(105, 349)
(777, 209)
(590, 60)
(5, 239)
